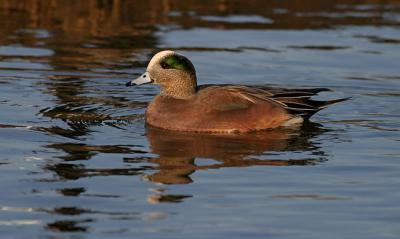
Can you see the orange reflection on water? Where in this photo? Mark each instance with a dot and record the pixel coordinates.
(178, 151)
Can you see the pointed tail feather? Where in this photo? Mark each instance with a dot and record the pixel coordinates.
(331, 102)
(309, 107)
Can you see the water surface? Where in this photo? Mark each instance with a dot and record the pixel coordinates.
(77, 161)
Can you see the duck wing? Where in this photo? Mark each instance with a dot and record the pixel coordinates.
(295, 101)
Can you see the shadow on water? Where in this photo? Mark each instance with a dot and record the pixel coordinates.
(68, 226)
(79, 224)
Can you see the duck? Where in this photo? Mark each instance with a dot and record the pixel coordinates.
(182, 105)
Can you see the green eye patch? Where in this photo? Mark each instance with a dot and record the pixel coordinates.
(177, 62)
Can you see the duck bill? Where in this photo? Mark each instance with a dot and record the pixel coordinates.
(143, 79)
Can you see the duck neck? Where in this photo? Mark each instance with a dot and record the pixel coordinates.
(180, 90)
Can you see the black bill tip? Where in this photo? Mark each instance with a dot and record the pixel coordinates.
(129, 83)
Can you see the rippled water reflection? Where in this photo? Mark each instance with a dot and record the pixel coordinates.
(77, 162)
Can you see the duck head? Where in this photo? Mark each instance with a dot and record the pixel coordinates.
(174, 73)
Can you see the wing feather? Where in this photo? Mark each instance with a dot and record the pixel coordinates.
(295, 101)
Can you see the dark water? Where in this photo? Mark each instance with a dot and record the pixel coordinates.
(77, 162)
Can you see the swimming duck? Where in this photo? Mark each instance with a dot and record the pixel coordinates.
(182, 105)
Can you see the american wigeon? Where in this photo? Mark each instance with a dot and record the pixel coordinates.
(182, 105)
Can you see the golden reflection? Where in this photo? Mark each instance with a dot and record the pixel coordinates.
(125, 17)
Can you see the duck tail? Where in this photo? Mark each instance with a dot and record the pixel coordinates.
(307, 107)
(325, 104)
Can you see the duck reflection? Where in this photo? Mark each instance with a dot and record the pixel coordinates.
(178, 151)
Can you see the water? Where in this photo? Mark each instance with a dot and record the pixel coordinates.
(77, 162)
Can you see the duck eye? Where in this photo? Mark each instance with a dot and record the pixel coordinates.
(164, 65)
